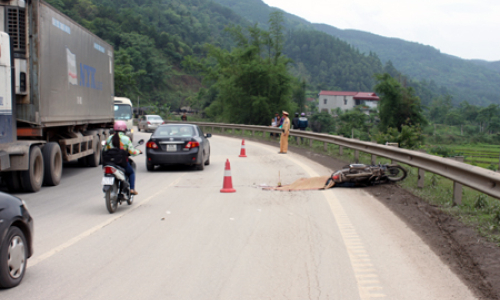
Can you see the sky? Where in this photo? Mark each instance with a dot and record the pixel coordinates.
(469, 29)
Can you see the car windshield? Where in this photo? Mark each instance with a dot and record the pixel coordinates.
(123, 112)
(154, 118)
(174, 131)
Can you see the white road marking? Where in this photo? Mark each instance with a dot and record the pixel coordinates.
(36, 260)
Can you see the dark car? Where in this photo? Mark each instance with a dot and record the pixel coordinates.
(178, 144)
(16, 240)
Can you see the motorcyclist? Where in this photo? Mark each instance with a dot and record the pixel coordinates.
(120, 140)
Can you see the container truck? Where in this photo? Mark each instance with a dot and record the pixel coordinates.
(56, 94)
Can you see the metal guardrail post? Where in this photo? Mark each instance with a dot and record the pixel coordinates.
(356, 156)
(421, 175)
(310, 143)
(325, 146)
(341, 150)
(392, 145)
(253, 132)
(374, 159)
(457, 187)
(421, 178)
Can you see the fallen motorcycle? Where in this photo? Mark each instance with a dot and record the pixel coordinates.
(365, 175)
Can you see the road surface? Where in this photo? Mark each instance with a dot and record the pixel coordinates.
(183, 239)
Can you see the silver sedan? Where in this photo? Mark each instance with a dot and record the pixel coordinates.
(149, 123)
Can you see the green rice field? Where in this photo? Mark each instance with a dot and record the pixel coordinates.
(485, 156)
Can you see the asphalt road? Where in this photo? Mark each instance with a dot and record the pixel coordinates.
(183, 239)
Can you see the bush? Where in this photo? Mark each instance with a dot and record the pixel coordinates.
(410, 137)
(322, 122)
(443, 151)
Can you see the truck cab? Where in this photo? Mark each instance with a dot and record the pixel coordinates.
(124, 112)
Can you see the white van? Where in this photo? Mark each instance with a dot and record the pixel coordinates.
(123, 111)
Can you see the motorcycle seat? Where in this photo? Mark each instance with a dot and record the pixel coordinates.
(358, 166)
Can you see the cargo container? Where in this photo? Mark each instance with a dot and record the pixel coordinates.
(56, 94)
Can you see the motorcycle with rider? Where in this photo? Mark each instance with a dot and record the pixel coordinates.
(119, 169)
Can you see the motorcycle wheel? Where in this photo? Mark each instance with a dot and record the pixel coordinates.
(112, 199)
(396, 173)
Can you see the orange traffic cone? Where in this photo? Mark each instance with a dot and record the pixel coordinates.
(227, 187)
(243, 152)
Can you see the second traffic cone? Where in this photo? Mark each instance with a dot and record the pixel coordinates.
(243, 152)
(227, 186)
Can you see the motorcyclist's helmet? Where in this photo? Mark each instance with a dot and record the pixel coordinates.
(120, 126)
(303, 114)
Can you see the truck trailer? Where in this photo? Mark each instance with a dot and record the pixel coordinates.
(56, 94)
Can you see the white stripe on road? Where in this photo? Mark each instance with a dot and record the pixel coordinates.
(36, 260)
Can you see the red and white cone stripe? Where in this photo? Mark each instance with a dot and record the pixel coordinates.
(227, 186)
(243, 152)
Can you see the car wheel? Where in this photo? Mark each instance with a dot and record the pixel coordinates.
(13, 258)
(149, 166)
(200, 167)
(208, 160)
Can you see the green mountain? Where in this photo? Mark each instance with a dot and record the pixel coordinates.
(495, 65)
(476, 82)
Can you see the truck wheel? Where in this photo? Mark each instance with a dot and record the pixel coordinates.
(53, 164)
(13, 180)
(32, 178)
(94, 159)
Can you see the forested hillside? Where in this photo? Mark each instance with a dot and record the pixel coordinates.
(330, 64)
(473, 81)
(465, 80)
(495, 65)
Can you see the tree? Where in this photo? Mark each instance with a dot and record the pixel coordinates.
(398, 105)
(439, 108)
(322, 122)
(252, 79)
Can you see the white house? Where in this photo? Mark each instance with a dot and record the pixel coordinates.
(330, 100)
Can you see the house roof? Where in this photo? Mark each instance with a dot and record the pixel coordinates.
(356, 95)
(337, 93)
(367, 96)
